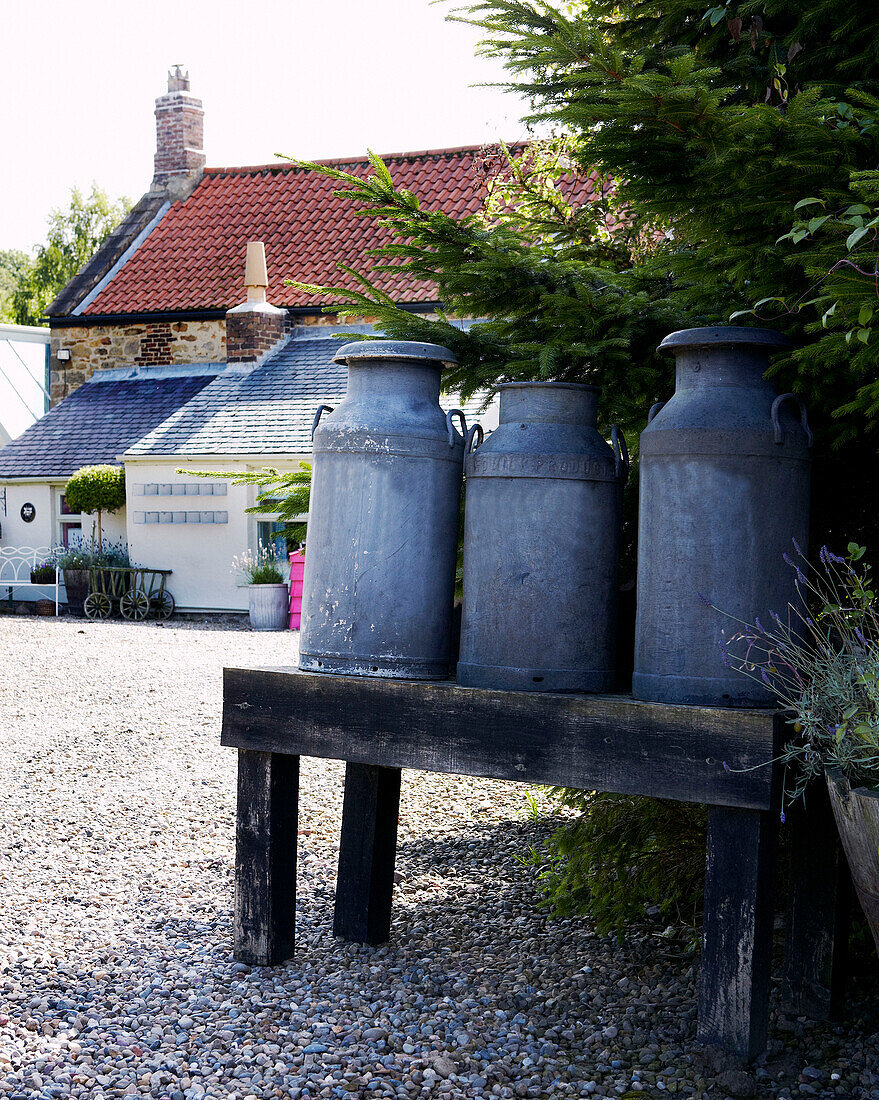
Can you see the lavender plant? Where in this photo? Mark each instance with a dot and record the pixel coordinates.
(43, 571)
(81, 554)
(822, 662)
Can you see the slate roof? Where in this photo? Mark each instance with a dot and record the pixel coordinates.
(192, 257)
(99, 420)
(267, 411)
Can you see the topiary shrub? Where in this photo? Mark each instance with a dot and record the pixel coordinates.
(96, 489)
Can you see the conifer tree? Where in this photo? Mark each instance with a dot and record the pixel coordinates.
(710, 128)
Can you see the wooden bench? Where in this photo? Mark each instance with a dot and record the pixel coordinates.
(723, 758)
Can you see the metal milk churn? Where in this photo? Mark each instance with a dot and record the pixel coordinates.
(541, 539)
(378, 590)
(725, 468)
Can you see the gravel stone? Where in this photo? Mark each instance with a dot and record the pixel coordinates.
(116, 894)
(737, 1083)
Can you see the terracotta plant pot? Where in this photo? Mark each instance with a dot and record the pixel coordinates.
(857, 819)
(269, 606)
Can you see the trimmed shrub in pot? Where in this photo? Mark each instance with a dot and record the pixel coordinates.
(267, 590)
(96, 489)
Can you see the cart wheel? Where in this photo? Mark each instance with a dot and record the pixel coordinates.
(163, 608)
(135, 605)
(98, 605)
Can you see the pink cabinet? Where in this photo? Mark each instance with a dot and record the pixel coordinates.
(297, 568)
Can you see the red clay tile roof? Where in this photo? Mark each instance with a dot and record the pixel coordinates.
(194, 258)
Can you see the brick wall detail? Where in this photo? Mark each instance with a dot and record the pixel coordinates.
(251, 334)
(179, 136)
(156, 347)
(107, 346)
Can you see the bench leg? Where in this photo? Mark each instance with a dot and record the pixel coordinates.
(265, 856)
(366, 853)
(818, 911)
(737, 931)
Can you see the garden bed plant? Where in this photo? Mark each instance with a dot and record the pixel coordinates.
(821, 659)
(44, 571)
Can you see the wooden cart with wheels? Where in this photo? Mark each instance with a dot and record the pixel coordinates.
(136, 591)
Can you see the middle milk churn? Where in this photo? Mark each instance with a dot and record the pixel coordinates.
(725, 470)
(378, 591)
(541, 537)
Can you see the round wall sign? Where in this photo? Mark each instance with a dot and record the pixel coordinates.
(28, 512)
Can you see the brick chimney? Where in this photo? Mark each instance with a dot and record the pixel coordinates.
(254, 328)
(179, 137)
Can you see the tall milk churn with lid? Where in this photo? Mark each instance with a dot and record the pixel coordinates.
(725, 469)
(378, 590)
(541, 541)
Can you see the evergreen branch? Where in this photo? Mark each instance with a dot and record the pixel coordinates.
(284, 495)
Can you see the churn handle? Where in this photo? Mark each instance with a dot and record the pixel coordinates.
(654, 409)
(450, 424)
(620, 451)
(317, 416)
(477, 433)
(804, 419)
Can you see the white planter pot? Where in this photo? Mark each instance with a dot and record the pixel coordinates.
(269, 606)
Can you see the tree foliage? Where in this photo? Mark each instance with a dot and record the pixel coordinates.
(706, 130)
(74, 235)
(554, 284)
(14, 267)
(96, 489)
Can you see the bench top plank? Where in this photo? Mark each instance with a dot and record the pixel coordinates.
(594, 742)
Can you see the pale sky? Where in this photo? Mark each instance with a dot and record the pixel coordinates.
(312, 79)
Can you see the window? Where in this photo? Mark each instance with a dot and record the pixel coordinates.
(269, 533)
(70, 523)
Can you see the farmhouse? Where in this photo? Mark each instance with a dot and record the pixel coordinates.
(157, 362)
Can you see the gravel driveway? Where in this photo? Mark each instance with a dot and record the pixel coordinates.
(116, 976)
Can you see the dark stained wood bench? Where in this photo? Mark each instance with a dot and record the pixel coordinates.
(724, 758)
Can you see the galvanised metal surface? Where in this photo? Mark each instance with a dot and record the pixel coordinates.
(379, 581)
(725, 468)
(541, 538)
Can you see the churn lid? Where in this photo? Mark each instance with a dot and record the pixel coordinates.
(728, 335)
(394, 349)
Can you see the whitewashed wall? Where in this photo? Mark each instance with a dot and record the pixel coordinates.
(42, 530)
(45, 528)
(199, 553)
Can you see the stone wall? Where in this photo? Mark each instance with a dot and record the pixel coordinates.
(156, 343)
(99, 347)
(294, 321)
